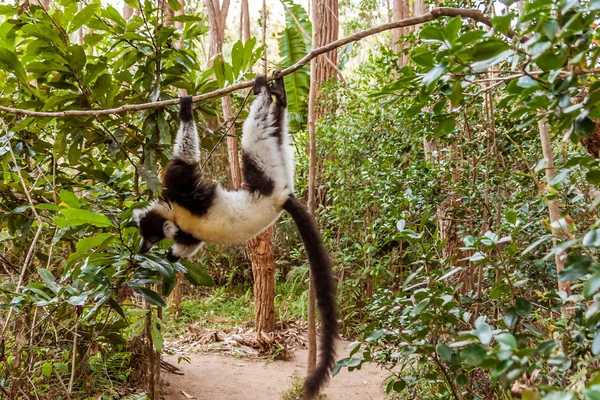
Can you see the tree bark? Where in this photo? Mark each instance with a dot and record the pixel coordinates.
(325, 30)
(400, 10)
(553, 211)
(244, 21)
(263, 270)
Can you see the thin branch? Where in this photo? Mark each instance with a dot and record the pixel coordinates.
(435, 13)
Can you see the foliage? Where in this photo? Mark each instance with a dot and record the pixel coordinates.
(471, 309)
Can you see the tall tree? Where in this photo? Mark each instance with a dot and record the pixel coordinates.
(400, 10)
(261, 251)
(325, 30)
(263, 263)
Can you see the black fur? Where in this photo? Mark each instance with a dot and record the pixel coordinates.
(170, 256)
(277, 89)
(185, 109)
(151, 226)
(255, 179)
(185, 238)
(259, 83)
(184, 185)
(324, 284)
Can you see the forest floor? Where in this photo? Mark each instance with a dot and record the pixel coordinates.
(216, 376)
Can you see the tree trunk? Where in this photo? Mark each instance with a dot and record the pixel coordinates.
(400, 10)
(325, 30)
(261, 251)
(559, 257)
(263, 270)
(244, 21)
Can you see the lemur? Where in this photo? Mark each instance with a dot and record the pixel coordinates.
(193, 210)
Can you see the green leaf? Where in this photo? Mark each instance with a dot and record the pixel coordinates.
(69, 198)
(157, 337)
(150, 296)
(47, 369)
(101, 240)
(596, 344)
(431, 34)
(592, 238)
(175, 5)
(444, 351)
(511, 317)
(151, 179)
(76, 217)
(576, 266)
(506, 339)
(462, 380)
(593, 176)
(434, 74)
(423, 56)
(12, 63)
(523, 307)
(48, 279)
(237, 58)
(592, 285)
(452, 28)
(196, 275)
(502, 23)
(158, 264)
(83, 17)
(473, 355)
(484, 333)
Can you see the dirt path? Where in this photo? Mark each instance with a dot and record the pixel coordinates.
(220, 377)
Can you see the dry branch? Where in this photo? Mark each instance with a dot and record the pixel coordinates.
(435, 13)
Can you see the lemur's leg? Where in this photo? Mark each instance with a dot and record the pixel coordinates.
(187, 146)
(281, 118)
(261, 163)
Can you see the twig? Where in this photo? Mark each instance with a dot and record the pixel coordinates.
(436, 13)
(73, 364)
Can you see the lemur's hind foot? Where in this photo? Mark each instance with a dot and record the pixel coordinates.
(260, 85)
(185, 109)
(278, 89)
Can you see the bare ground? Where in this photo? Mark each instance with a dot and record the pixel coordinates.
(222, 377)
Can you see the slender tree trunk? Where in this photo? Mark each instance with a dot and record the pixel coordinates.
(263, 269)
(559, 257)
(400, 10)
(244, 21)
(325, 30)
(263, 265)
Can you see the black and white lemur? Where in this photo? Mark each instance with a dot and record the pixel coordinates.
(193, 210)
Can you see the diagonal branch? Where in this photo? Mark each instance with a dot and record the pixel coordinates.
(435, 13)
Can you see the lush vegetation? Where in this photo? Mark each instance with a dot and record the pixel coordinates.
(433, 198)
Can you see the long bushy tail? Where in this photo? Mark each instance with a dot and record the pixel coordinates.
(322, 278)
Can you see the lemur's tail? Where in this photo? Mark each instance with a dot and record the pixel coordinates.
(185, 109)
(322, 278)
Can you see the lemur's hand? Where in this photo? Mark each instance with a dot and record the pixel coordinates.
(278, 89)
(260, 85)
(171, 257)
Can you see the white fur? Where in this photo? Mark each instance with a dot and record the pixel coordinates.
(277, 162)
(186, 143)
(170, 229)
(235, 217)
(138, 214)
(186, 251)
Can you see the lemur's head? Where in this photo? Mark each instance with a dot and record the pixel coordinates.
(155, 224)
